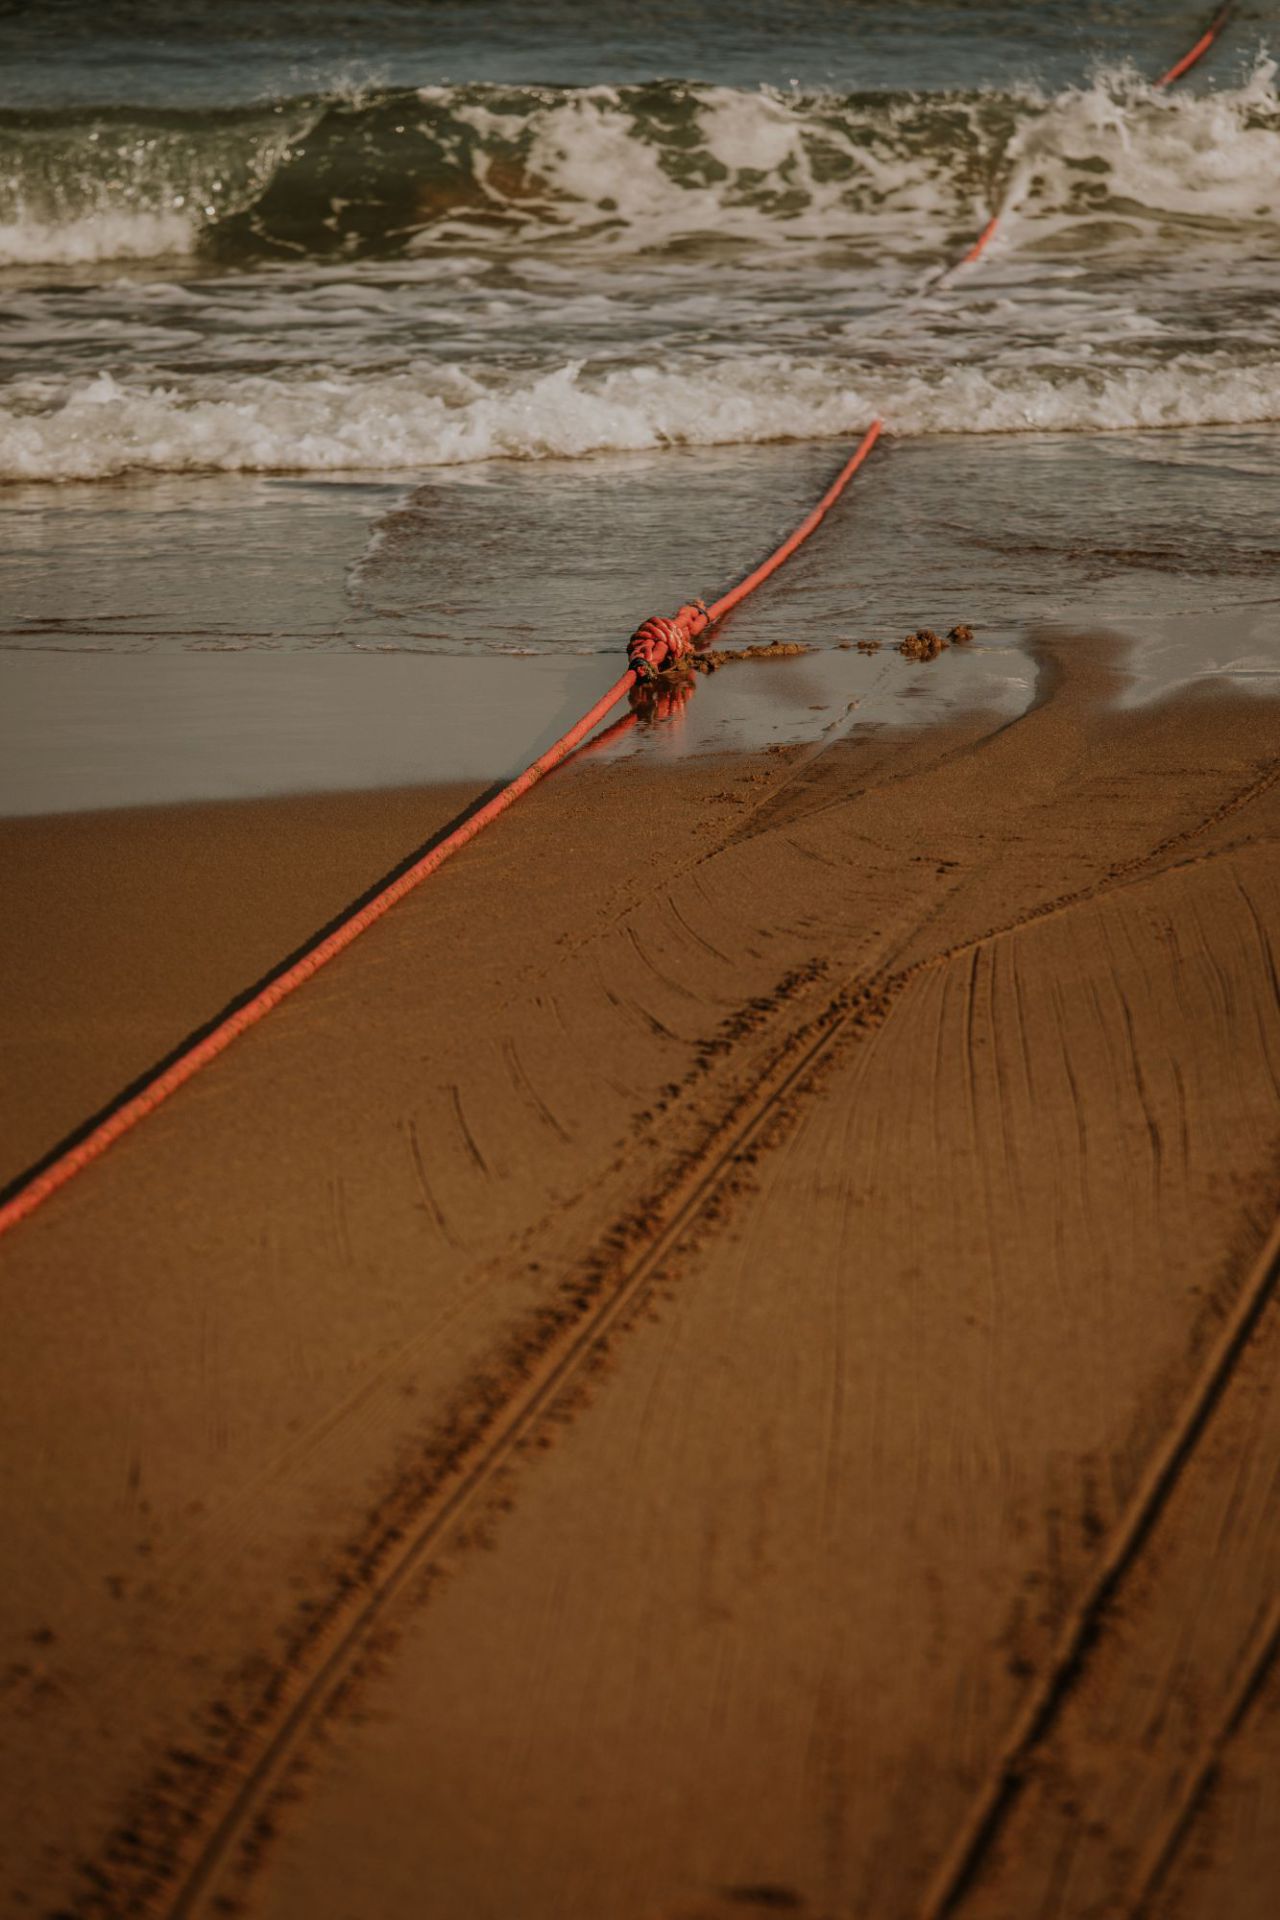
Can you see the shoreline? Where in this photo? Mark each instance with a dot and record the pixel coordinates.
(1029, 951)
(221, 636)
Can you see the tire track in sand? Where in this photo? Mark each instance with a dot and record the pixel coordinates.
(1154, 1870)
(208, 1816)
(1007, 1776)
(234, 1793)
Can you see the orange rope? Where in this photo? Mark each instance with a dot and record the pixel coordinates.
(1200, 48)
(980, 244)
(810, 524)
(657, 643)
(33, 1191)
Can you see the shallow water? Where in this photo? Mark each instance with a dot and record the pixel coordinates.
(226, 635)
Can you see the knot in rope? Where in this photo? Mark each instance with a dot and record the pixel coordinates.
(659, 643)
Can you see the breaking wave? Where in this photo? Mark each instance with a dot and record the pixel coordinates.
(441, 416)
(629, 168)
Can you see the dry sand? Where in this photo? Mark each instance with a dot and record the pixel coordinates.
(721, 1360)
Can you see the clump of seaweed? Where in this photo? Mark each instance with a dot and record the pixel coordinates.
(713, 658)
(924, 644)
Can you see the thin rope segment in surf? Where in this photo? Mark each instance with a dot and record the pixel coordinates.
(1200, 48)
(657, 644)
(1188, 60)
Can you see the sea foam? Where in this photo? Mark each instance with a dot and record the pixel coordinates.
(439, 416)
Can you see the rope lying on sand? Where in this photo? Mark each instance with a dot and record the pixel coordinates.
(656, 645)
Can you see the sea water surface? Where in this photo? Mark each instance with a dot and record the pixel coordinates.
(335, 339)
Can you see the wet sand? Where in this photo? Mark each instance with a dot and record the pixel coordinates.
(721, 1360)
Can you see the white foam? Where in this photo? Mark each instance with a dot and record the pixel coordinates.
(96, 237)
(113, 191)
(776, 167)
(756, 165)
(1159, 156)
(439, 416)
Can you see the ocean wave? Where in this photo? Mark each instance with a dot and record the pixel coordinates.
(441, 416)
(629, 169)
(115, 185)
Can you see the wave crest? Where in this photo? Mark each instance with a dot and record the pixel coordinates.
(629, 168)
(439, 416)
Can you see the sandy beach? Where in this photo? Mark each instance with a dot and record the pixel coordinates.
(721, 1360)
